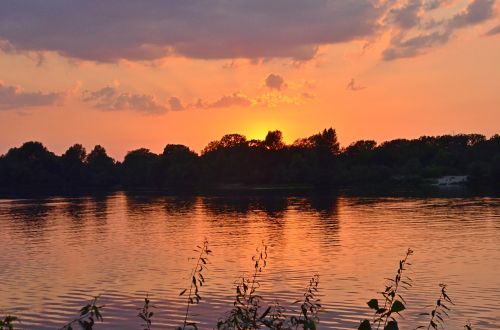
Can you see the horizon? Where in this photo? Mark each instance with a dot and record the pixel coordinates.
(288, 142)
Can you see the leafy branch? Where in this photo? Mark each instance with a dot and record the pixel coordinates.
(309, 307)
(245, 313)
(440, 310)
(145, 314)
(8, 322)
(197, 281)
(88, 315)
(394, 303)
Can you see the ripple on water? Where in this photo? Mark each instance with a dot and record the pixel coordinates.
(61, 251)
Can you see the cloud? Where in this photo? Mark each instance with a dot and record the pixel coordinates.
(175, 104)
(107, 31)
(476, 12)
(226, 101)
(266, 100)
(432, 4)
(275, 81)
(353, 86)
(13, 97)
(109, 98)
(406, 16)
(416, 31)
(494, 31)
(414, 46)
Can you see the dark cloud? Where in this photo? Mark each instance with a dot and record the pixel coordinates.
(494, 31)
(107, 31)
(109, 98)
(13, 97)
(143, 30)
(275, 81)
(476, 12)
(407, 16)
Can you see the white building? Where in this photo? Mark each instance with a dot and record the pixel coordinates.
(451, 180)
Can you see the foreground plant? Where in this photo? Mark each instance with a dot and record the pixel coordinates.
(89, 314)
(393, 302)
(8, 322)
(276, 319)
(249, 313)
(309, 308)
(440, 311)
(145, 314)
(197, 281)
(245, 313)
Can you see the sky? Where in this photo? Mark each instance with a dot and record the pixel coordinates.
(128, 74)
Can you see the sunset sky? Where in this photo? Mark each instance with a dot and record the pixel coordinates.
(130, 74)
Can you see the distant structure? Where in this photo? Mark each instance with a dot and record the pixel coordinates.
(451, 180)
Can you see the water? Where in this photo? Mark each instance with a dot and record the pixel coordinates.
(56, 253)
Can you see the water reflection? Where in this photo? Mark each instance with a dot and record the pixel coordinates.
(75, 210)
(31, 217)
(123, 245)
(100, 208)
(179, 205)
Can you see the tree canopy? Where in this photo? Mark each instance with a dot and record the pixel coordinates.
(317, 160)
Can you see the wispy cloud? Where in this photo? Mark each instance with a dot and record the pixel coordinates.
(353, 86)
(236, 99)
(494, 31)
(414, 46)
(417, 31)
(15, 98)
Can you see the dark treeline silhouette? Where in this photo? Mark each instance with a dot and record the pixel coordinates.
(234, 161)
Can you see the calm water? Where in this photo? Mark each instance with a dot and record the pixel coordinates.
(56, 252)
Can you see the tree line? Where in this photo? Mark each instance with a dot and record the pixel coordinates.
(315, 161)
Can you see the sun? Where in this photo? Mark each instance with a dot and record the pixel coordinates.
(259, 130)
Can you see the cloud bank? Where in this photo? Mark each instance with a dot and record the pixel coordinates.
(111, 30)
(144, 30)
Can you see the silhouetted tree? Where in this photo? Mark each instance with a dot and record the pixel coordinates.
(74, 168)
(178, 167)
(32, 167)
(102, 168)
(274, 141)
(316, 160)
(137, 168)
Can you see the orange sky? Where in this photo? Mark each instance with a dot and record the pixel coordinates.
(409, 68)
